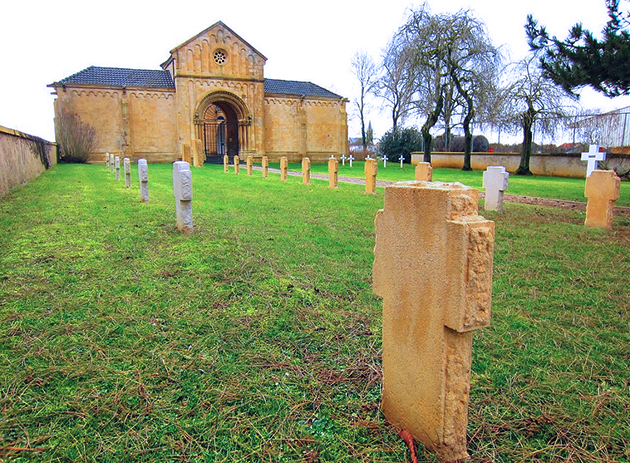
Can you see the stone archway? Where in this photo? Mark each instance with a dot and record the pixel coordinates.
(222, 122)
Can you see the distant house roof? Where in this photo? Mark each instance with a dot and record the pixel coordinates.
(123, 77)
(119, 77)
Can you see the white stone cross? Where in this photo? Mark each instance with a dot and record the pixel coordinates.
(143, 175)
(592, 157)
(332, 156)
(182, 190)
(343, 159)
(368, 157)
(351, 158)
(402, 158)
(384, 159)
(495, 181)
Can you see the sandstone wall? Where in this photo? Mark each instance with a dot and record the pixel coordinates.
(19, 159)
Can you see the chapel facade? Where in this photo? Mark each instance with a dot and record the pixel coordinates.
(211, 93)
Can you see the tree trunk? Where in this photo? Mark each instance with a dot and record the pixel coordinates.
(468, 138)
(526, 150)
(432, 119)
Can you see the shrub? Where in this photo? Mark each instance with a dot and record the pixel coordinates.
(397, 142)
(76, 139)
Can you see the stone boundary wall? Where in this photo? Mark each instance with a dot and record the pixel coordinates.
(19, 159)
(553, 165)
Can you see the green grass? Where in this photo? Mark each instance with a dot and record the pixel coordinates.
(571, 189)
(257, 336)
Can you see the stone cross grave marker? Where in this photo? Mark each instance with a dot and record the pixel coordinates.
(351, 158)
(117, 166)
(284, 167)
(143, 176)
(402, 158)
(237, 165)
(198, 153)
(592, 157)
(306, 171)
(186, 153)
(433, 269)
(384, 159)
(265, 166)
(424, 172)
(250, 165)
(111, 163)
(495, 180)
(371, 170)
(182, 190)
(127, 167)
(333, 172)
(602, 190)
(343, 159)
(226, 163)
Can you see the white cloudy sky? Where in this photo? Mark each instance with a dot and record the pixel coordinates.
(44, 41)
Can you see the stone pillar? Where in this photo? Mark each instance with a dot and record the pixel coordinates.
(306, 171)
(250, 165)
(602, 190)
(107, 160)
(371, 170)
(182, 190)
(198, 153)
(284, 167)
(186, 156)
(433, 269)
(111, 163)
(265, 166)
(333, 172)
(495, 181)
(237, 165)
(424, 172)
(226, 163)
(143, 176)
(127, 166)
(117, 166)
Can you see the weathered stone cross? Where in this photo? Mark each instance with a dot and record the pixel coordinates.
(592, 157)
(384, 159)
(351, 158)
(402, 158)
(343, 159)
(495, 181)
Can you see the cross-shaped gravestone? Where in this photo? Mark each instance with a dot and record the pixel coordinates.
(343, 159)
(143, 175)
(351, 158)
(402, 158)
(495, 181)
(182, 190)
(368, 157)
(384, 159)
(592, 157)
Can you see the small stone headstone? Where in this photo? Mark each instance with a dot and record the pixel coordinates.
(117, 166)
(265, 166)
(111, 163)
(107, 160)
(602, 190)
(424, 172)
(496, 181)
(127, 167)
(198, 153)
(186, 153)
(433, 269)
(250, 165)
(226, 163)
(592, 157)
(284, 167)
(237, 165)
(333, 172)
(371, 171)
(306, 171)
(182, 190)
(143, 176)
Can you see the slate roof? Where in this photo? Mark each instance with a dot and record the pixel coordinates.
(123, 77)
(120, 77)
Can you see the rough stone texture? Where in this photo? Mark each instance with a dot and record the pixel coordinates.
(182, 190)
(496, 181)
(602, 190)
(306, 171)
(265, 166)
(226, 163)
(433, 269)
(111, 163)
(117, 167)
(143, 176)
(250, 165)
(424, 172)
(186, 154)
(284, 168)
(197, 153)
(127, 167)
(237, 165)
(333, 173)
(371, 170)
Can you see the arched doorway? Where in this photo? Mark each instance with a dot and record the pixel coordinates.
(222, 122)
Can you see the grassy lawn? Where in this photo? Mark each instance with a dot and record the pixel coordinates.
(257, 336)
(571, 189)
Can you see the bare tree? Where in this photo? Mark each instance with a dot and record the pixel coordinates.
(397, 85)
(365, 71)
(76, 139)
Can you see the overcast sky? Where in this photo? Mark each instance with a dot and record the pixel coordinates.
(45, 41)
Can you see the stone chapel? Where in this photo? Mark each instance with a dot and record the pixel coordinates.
(211, 88)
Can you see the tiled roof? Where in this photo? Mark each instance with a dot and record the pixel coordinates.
(120, 77)
(292, 87)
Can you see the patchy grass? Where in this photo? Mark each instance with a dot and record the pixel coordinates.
(257, 336)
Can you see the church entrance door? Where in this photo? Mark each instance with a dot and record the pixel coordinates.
(219, 127)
